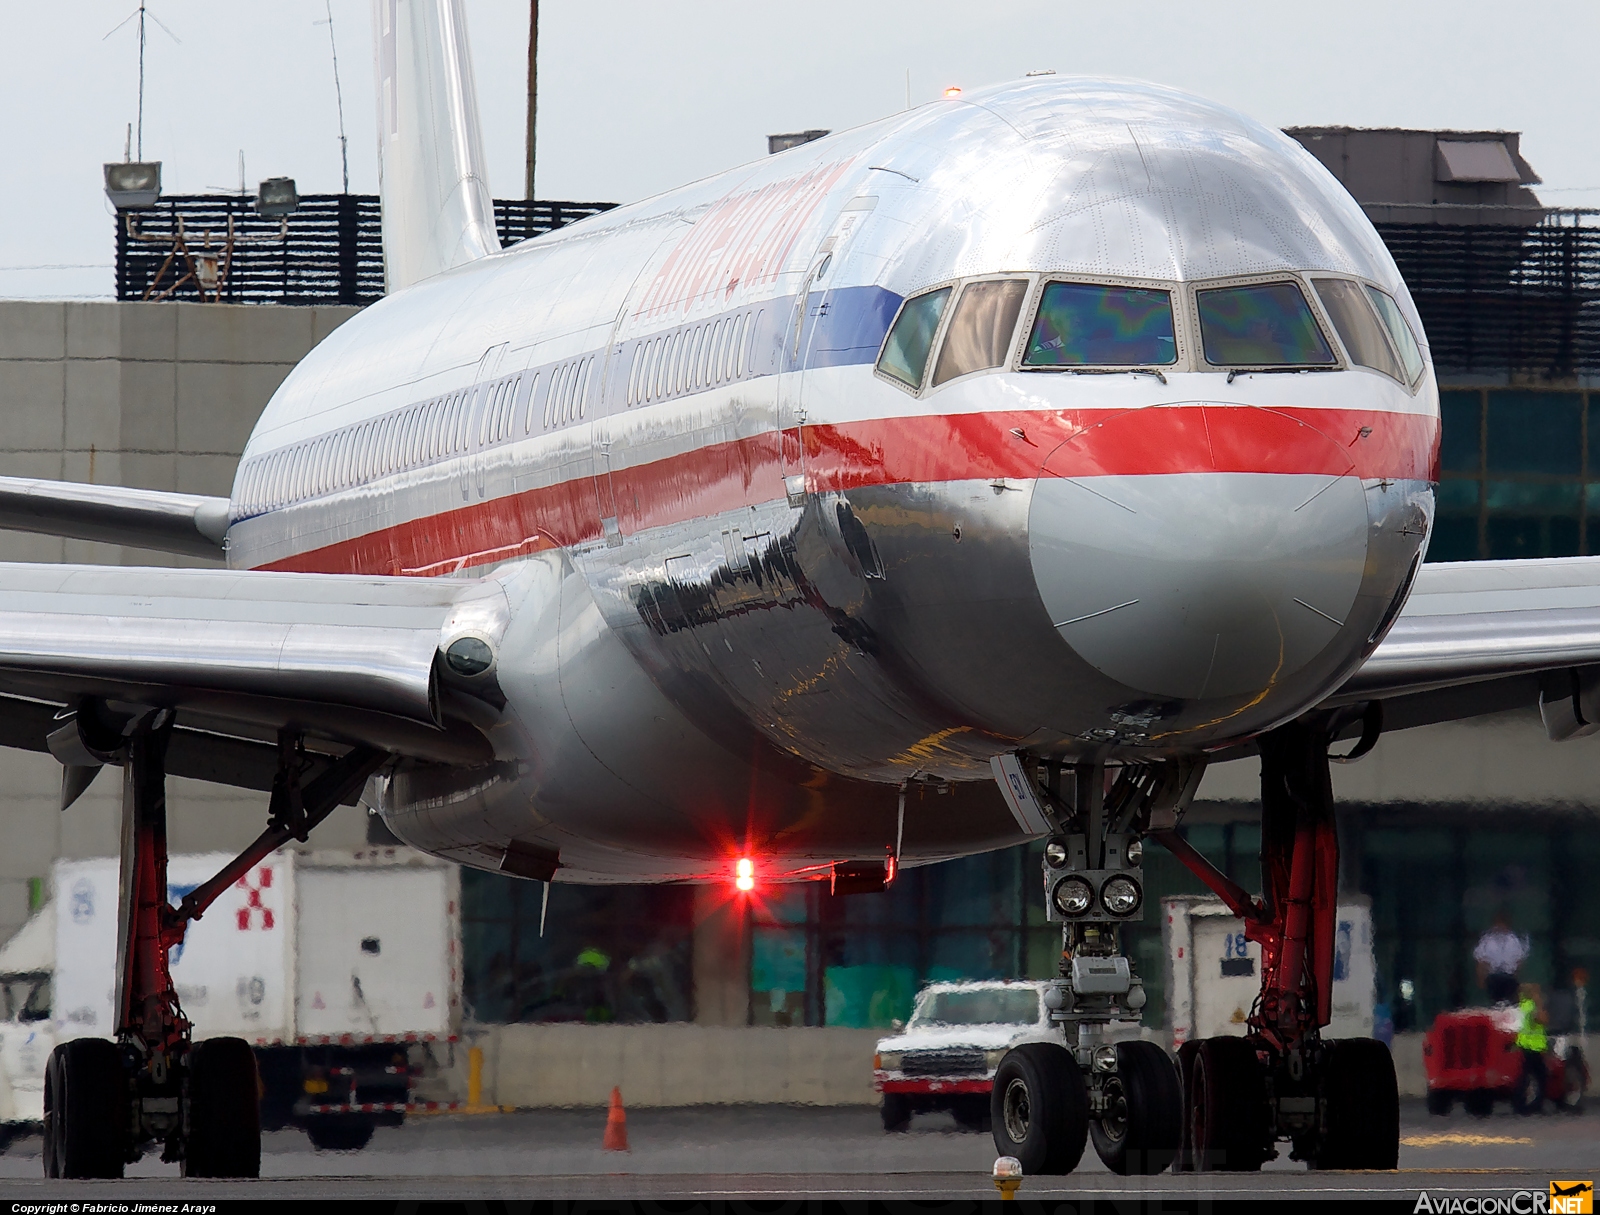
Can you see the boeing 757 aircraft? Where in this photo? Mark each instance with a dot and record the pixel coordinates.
(970, 477)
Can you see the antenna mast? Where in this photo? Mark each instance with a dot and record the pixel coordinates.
(141, 79)
(338, 93)
(533, 88)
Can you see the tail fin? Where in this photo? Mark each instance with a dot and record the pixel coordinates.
(437, 210)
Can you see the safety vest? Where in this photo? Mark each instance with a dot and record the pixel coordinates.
(1532, 1035)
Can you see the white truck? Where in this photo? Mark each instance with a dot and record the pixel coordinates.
(1214, 973)
(339, 967)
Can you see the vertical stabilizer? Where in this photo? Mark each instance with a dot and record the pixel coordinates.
(437, 209)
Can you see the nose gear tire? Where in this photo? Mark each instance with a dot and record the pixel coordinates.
(1141, 1130)
(1040, 1109)
(224, 1110)
(1226, 1106)
(1363, 1107)
(86, 1107)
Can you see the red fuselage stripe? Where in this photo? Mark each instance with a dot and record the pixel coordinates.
(891, 451)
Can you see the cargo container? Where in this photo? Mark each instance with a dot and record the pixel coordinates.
(342, 969)
(1214, 973)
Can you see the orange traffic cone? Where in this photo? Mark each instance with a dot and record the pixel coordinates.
(616, 1124)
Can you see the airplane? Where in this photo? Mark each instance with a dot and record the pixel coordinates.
(971, 477)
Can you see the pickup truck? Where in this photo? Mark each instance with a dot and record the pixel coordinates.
(946, 1055)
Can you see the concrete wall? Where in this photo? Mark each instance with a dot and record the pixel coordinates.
(159, 396)
(674, 1065)
(669, 1065)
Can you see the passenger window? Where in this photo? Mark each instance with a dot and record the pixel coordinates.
(1266, 325)
(1404, 340)
(980, 330)
(1090, 325)
(1358, 328)
(906, 349)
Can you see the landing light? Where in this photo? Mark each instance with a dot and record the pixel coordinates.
(1072, 896)
(744, 874)
(1120, 895)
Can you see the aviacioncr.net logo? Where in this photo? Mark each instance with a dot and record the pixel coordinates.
(1562, 1198)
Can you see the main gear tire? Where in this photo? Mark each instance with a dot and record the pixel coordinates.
(1140, 1132)
(86, 1109)
(1039, 1109)
(1227, 1108)
(1361, 1101)
(224, 1110)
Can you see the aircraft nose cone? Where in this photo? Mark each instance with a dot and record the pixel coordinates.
(1198, 552)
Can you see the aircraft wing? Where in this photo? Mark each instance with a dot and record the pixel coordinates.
(144, 518)
(1479, 637)
(240, 655)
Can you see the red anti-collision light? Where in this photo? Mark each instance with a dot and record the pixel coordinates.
(744, 874)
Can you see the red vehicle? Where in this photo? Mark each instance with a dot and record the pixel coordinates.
(1473, 1055)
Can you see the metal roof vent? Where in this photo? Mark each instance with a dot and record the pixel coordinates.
(1474, 160)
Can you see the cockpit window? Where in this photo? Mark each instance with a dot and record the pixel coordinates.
(1265, 325)
(980, 330)
(1404, 340)
(1086, 325)
(905, 350)
(1358, 328)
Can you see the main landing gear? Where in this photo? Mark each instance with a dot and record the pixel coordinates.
(105, 1102)
(1335, 1101)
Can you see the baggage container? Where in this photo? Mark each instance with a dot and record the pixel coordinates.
(1214, 973)
(336, 966)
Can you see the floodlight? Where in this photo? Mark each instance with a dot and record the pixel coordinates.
(133, 185)
(276, 196)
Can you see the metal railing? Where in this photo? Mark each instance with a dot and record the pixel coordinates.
(215, 248)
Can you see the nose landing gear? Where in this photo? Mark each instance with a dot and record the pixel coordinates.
(105, 1101)
(1335, 1101)
(1050, 1098)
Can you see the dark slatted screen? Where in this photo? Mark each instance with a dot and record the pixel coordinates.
(330, 252)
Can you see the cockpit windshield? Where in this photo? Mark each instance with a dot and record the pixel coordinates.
(1089, 325)
(1262, 325)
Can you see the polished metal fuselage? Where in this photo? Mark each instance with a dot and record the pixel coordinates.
(754, 588)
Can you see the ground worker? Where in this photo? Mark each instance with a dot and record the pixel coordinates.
(1500, 954)
(1531, 1039)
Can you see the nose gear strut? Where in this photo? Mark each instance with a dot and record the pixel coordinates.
(1124, 1095)
(105, 1102)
